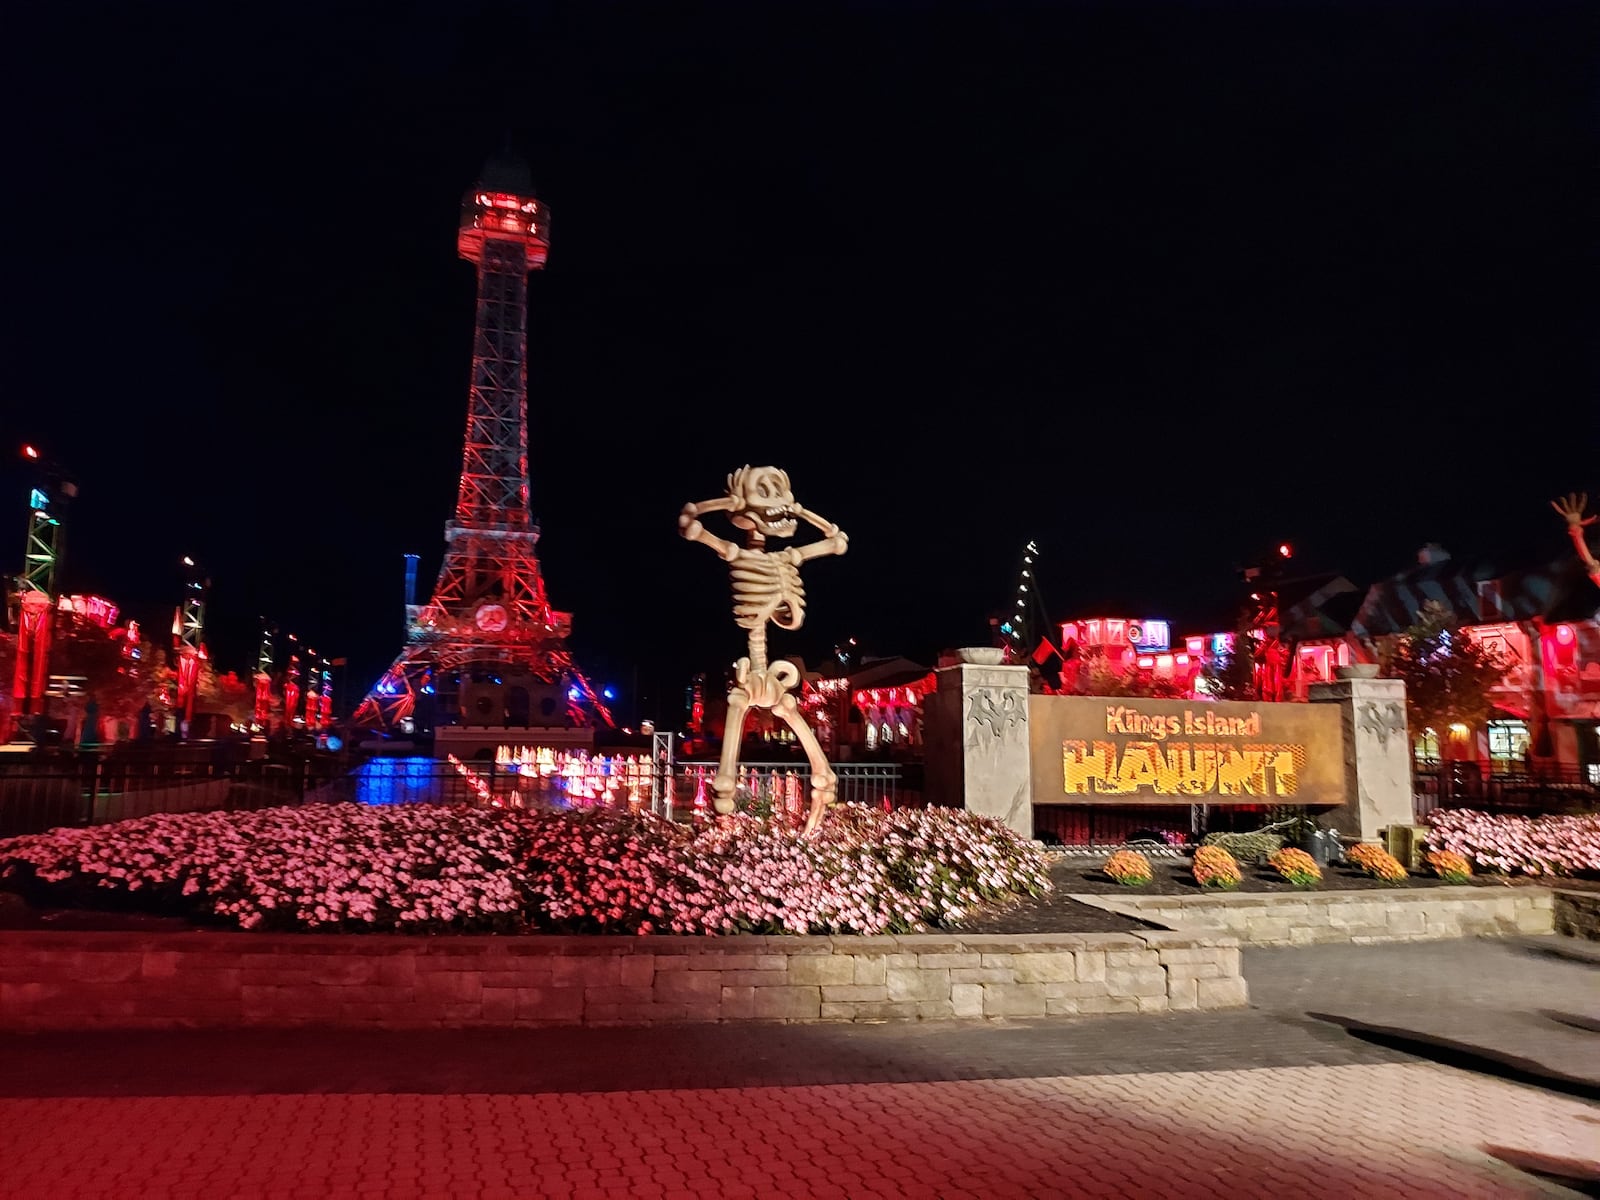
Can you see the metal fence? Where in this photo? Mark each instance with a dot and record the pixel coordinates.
(43, 793)
(1466, 785)
(38, 794)
(884, 784)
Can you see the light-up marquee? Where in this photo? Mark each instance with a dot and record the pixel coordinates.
(1097, 750)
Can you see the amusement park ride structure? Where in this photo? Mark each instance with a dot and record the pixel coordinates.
(32, 601)
(487, 647)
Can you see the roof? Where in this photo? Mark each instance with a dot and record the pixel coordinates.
(1476, 591)
(887, 673)
(1392, 605)
(1574, 596)
(1317, 607)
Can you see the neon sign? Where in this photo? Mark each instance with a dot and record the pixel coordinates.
(1150, 635)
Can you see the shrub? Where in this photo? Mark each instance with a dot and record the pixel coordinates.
(1517, 845)
(1245, 847)
(453, 869)
(1380, 864)
(1363, 852)
(1449, 866)
(1214, 867)
(1298, 867)
(1129, 868)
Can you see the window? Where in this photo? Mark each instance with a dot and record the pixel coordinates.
(1508, 741)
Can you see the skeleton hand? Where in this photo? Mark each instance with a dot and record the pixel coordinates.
(1571, 507)
(689, 525)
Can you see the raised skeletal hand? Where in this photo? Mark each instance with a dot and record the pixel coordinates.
(1572, 506)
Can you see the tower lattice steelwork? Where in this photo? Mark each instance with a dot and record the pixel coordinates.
(488, 636)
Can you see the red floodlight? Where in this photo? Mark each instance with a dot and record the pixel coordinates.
(30, 452)
(1285, 549)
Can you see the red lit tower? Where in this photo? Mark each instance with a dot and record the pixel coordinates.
(489, 623)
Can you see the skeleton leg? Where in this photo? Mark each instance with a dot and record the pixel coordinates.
(727, 777)
(823, 781)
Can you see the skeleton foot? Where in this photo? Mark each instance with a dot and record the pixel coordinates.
(824, 787)
(722, 789)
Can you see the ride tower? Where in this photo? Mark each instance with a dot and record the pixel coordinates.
(487, 648)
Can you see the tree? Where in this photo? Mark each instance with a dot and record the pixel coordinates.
(117, 683)
(226, 694)
(1099, 676)
(1450, 677)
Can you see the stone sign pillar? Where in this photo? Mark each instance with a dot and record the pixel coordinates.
(975, 738)
(1377, 754)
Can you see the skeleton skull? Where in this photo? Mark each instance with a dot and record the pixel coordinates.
(763, 501)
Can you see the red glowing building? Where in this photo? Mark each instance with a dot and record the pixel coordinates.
(487, 648)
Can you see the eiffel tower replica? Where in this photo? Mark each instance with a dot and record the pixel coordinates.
(487, 649)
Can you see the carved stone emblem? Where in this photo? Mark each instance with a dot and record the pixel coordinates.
(996, 710)
(1382, 720)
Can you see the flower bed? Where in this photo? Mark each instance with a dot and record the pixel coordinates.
(1214, 867)
(461, 869)
(1565, 845)
(1298, 867)
(1378, 863)
(1129, 868)
(1450, 867)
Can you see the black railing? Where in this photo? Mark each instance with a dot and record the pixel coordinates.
(1469, 785)
(884, 784)
(44, 792)
(38, 793)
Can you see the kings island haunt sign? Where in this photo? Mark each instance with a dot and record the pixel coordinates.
(1085, 750)
(993, 748)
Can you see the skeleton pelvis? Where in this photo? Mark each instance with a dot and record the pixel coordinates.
(766, 689)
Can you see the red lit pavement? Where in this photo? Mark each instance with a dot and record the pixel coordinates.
(1264, 1102)
(1387, 1129)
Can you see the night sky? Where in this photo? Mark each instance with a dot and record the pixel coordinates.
(1156, 285)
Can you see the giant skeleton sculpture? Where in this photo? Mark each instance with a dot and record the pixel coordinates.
(766, 588)
(1572, 507)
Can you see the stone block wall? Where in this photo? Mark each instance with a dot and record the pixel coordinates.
(1577, 914)
(1311, 917)
(119, 980)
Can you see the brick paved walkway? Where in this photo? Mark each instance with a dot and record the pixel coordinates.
(1237, 1104)
(1389, 1130)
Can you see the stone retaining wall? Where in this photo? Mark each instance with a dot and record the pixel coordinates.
(1577, 914)
(1310, 917)
(125, 980)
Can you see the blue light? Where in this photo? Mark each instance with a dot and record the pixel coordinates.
(427, 689)
(573, 695)
(609, 693)
(1006, 628)
(38, 501)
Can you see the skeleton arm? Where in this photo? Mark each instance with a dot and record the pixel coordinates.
(689, 526)
(1572, 508)
(836, 541)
